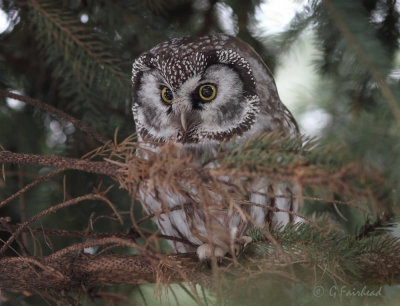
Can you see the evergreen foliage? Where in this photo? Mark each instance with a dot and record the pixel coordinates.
(76, 56)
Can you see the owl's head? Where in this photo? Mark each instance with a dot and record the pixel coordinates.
(195, 90)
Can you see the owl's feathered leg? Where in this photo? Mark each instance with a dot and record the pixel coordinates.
(207, 250)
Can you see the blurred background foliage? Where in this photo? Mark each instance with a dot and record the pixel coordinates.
(336, 62)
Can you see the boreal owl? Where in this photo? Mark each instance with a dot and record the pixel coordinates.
(206, 94)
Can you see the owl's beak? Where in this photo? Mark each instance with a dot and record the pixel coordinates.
(183, 121)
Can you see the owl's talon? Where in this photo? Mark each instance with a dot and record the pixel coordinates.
(206, 251)
(245, 240)
(241, 243)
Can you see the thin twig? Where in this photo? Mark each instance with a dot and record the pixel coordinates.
(47, 212)
(56, 112)
(88, 235)
(97, 242)
(30, 186)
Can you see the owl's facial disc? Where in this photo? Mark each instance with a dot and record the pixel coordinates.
(209, 105)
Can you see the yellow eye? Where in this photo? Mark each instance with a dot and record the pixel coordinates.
(166, 95)
(207, 92)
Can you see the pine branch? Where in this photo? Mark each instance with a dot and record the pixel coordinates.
(62, 271)
(75, 32)
(72, 273)
(342, 23)
(367, 259)
(298, 25)
(75, 49)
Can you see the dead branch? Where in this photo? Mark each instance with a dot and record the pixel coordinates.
(48, 211)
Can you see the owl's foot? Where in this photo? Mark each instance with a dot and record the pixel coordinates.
(206, 251)
(244, 240)
(241, 242)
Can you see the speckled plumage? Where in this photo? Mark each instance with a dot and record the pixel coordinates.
(246, 104)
